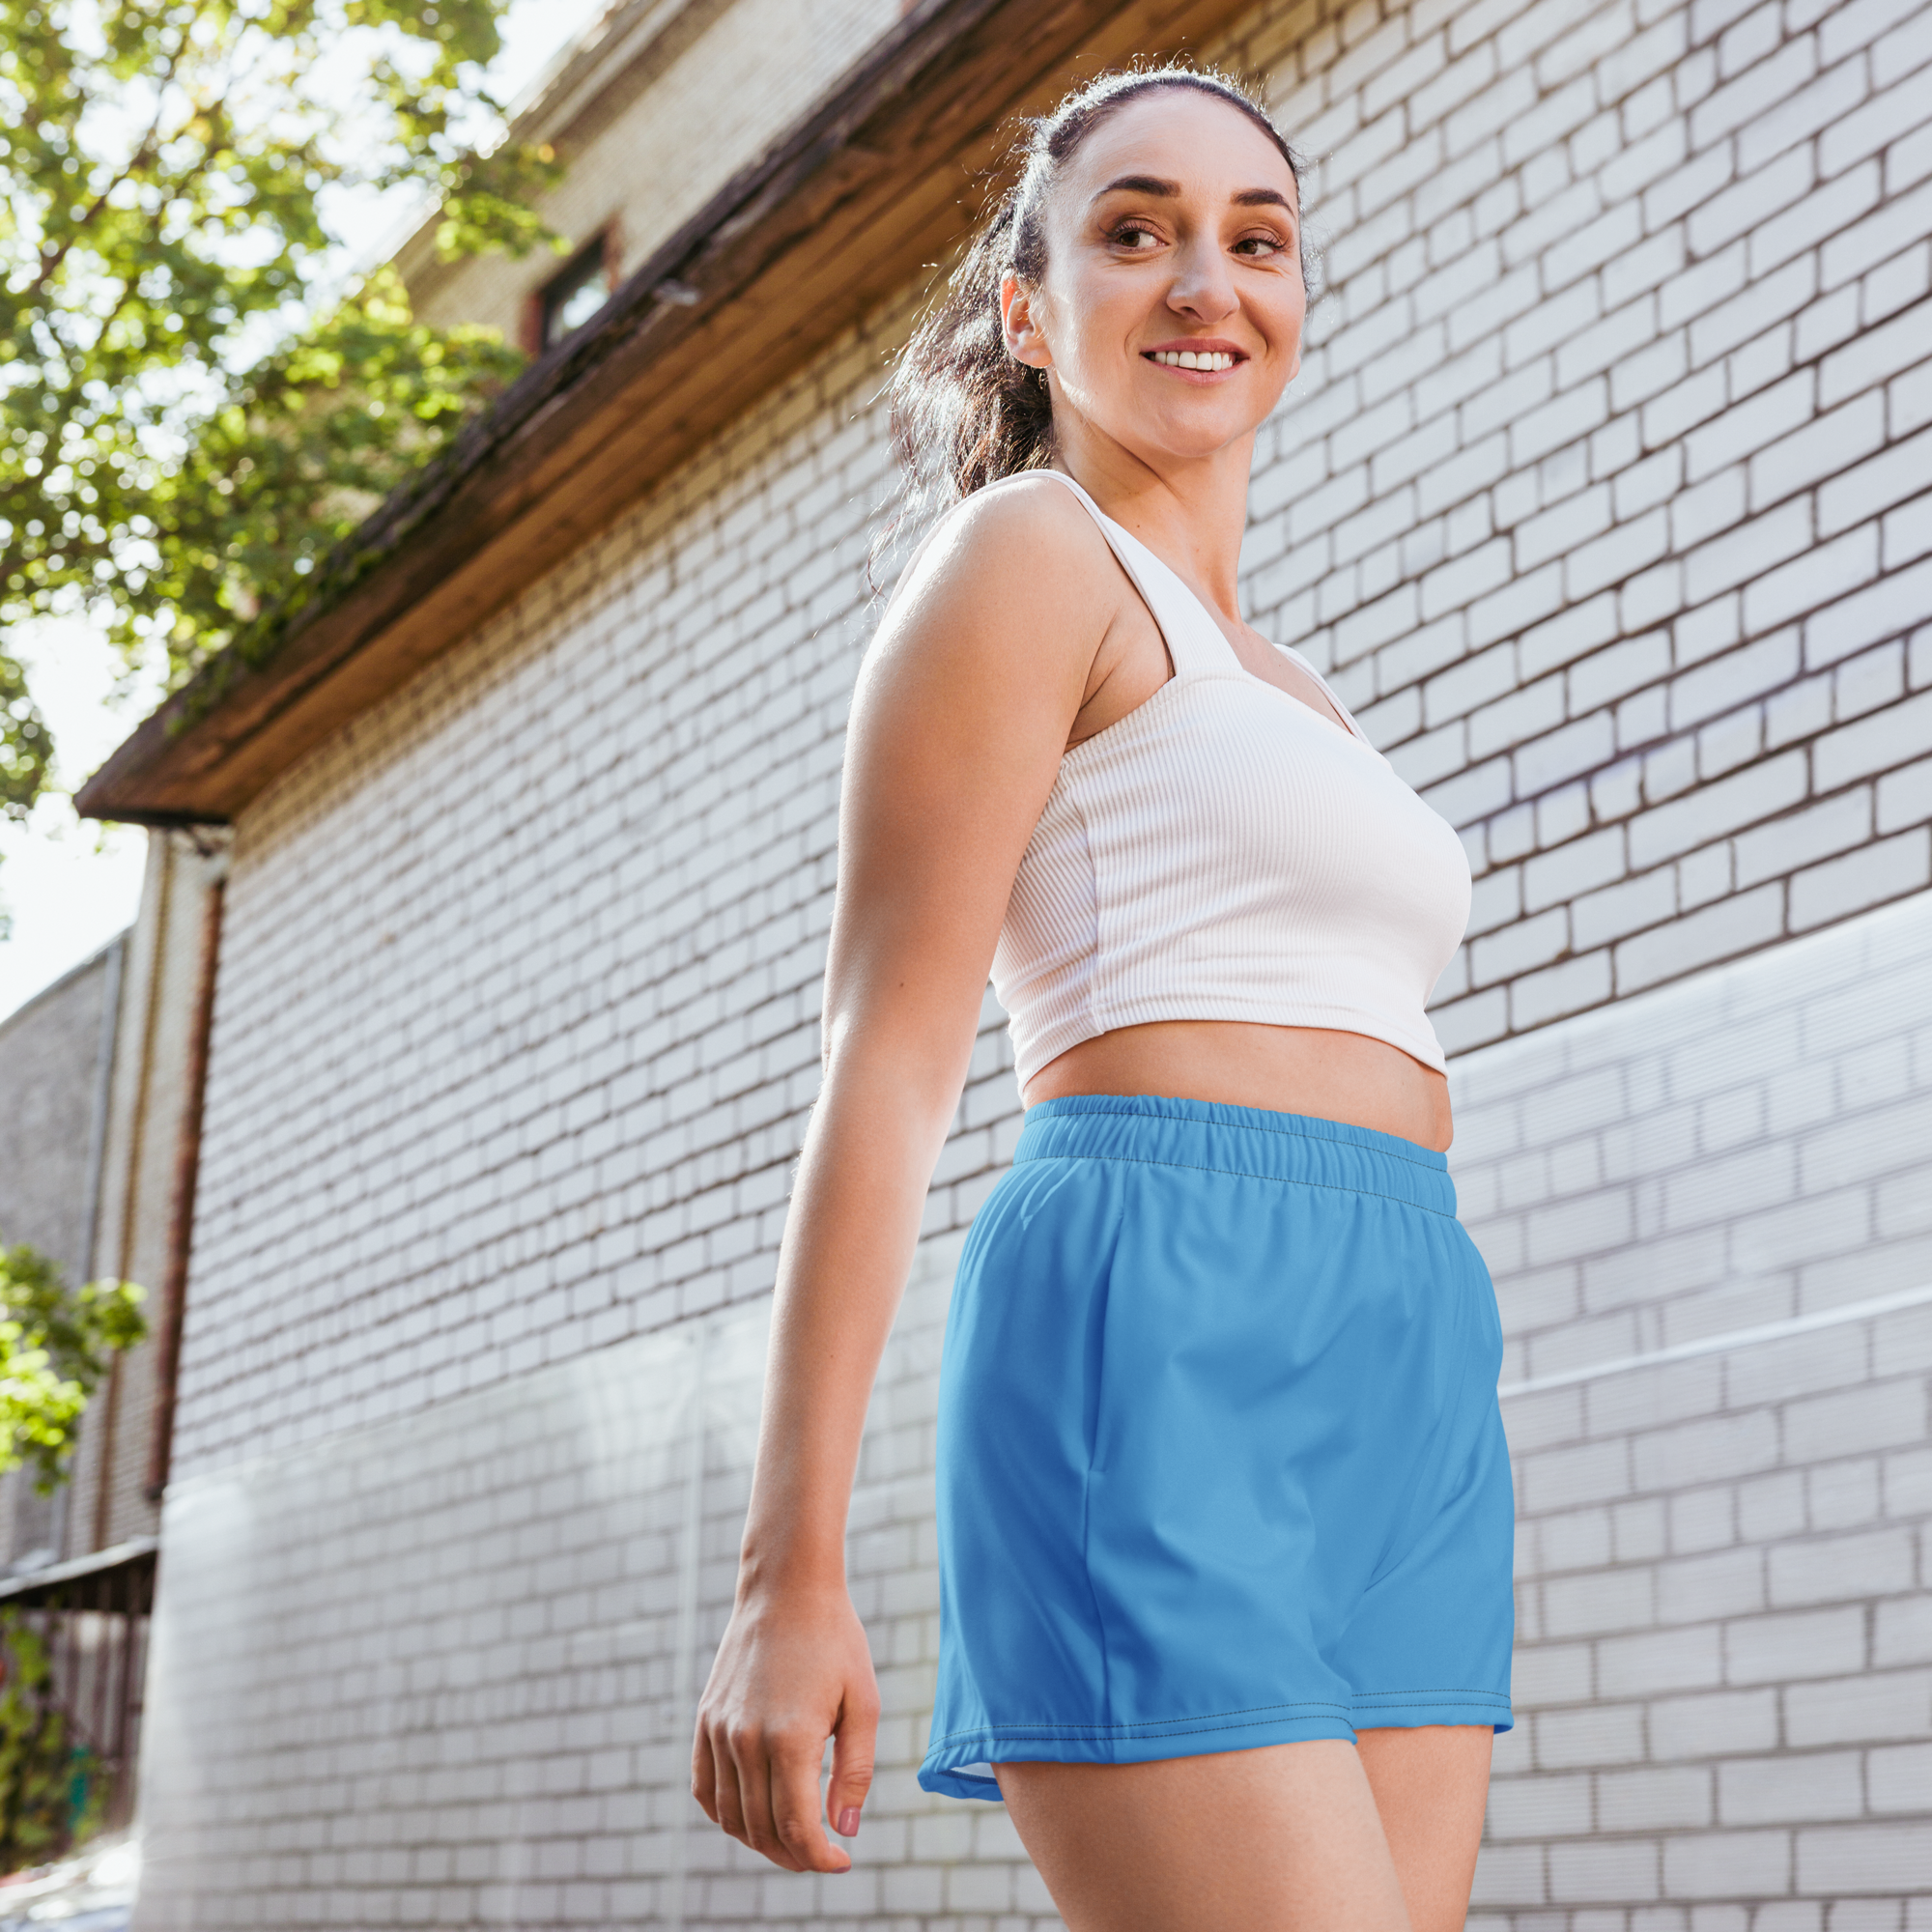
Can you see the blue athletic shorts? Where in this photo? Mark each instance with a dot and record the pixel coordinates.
(1220, 1459)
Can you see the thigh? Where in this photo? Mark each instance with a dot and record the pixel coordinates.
(1281, 1839)
(1431, 1784)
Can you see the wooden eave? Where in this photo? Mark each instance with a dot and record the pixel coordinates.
(879, 180)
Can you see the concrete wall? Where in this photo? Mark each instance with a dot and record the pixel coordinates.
(50, 1071)
(1600, 494)
(52, 1055)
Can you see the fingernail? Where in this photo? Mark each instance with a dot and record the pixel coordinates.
(848, 1822)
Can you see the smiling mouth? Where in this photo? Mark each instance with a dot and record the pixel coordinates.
(1190, 359)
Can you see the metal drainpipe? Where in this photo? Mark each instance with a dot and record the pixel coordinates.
(181, 1210)
(130, 1193)
(96, 1158)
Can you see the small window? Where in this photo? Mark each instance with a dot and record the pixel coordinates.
(576, 295)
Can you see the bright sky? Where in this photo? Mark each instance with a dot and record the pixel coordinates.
(69, 887)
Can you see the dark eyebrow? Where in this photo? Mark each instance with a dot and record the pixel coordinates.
(1141, 185)
(1167, 191)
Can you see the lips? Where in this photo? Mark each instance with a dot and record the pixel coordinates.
(1206, 356)
(1190, 359)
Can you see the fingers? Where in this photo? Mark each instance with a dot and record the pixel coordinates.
(793, 1790)
(762, 1789)
(854, 1751)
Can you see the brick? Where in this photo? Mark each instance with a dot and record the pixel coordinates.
(1828, 214)
(1683, 824)
(1879, 1563)
(1507, 1875)
(1880, 236)
(1905, 797)
(1568, 987)
(1747, 207)
(1722, 683)
(1693, 401)
(1894, 285)
(1600, 1735)
(1838, 1860)
(1863, 1419)
(1868, 1142)
(1614, 1870)
(1790, 843)
(1844, 29)
(1794, 1644)
(1791, 1790)
(1537, 1807)
(1699, 1589)
(1868, 129)
(1877, 355)
(1900, 1779)
(1824, 447)
(1737, 556)
(1825, 104)
(1726, 1864)
(1722, 1723)
(1821, 577)
(1608, 915)
(1870, 488)
(1757, 424)
(1650, 1663)
(1883, 610)
(1859, 1710)
(1886, 871)
(1614, 557)
(1721, 1446)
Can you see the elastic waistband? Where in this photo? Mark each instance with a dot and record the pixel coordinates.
(1254, 1141)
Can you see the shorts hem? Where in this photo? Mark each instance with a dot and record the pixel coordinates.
(946, 1769)
(1128, 1743)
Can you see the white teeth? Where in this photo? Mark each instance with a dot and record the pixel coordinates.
(1191, 359)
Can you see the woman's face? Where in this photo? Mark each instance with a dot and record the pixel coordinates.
(1173, 231)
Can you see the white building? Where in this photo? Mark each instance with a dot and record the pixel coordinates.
(1603, 497)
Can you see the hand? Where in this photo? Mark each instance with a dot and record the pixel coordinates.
(792, 1672)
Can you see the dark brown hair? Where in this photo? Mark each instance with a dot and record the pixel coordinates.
(964, 412)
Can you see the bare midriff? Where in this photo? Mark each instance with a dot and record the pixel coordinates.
(1312, 1071)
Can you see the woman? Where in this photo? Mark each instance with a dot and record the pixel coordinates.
(1224, 1503)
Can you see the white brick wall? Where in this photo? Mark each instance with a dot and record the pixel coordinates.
(443, 1671)
(518, 1020)
(1603, 496)
(1723, 1674)
(1603, 493)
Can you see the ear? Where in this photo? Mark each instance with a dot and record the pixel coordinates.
(1024, 341)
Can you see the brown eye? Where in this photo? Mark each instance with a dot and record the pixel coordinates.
(1135, 238)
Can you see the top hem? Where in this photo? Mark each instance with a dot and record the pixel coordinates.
(1044, 1051)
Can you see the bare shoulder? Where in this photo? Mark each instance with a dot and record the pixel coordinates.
(1022, 553)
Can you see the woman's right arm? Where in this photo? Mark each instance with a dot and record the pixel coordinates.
(962, 709)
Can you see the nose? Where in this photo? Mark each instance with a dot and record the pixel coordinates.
(1203, 285)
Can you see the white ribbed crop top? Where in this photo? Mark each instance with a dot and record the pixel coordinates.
(1225, 852)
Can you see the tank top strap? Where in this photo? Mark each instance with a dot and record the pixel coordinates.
(1197, 643)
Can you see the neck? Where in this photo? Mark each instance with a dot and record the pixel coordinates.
(1191, 514)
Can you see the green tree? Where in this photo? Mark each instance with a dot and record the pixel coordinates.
(56, 1343)
(185, 426)
(26, 749)
(42, 1762)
